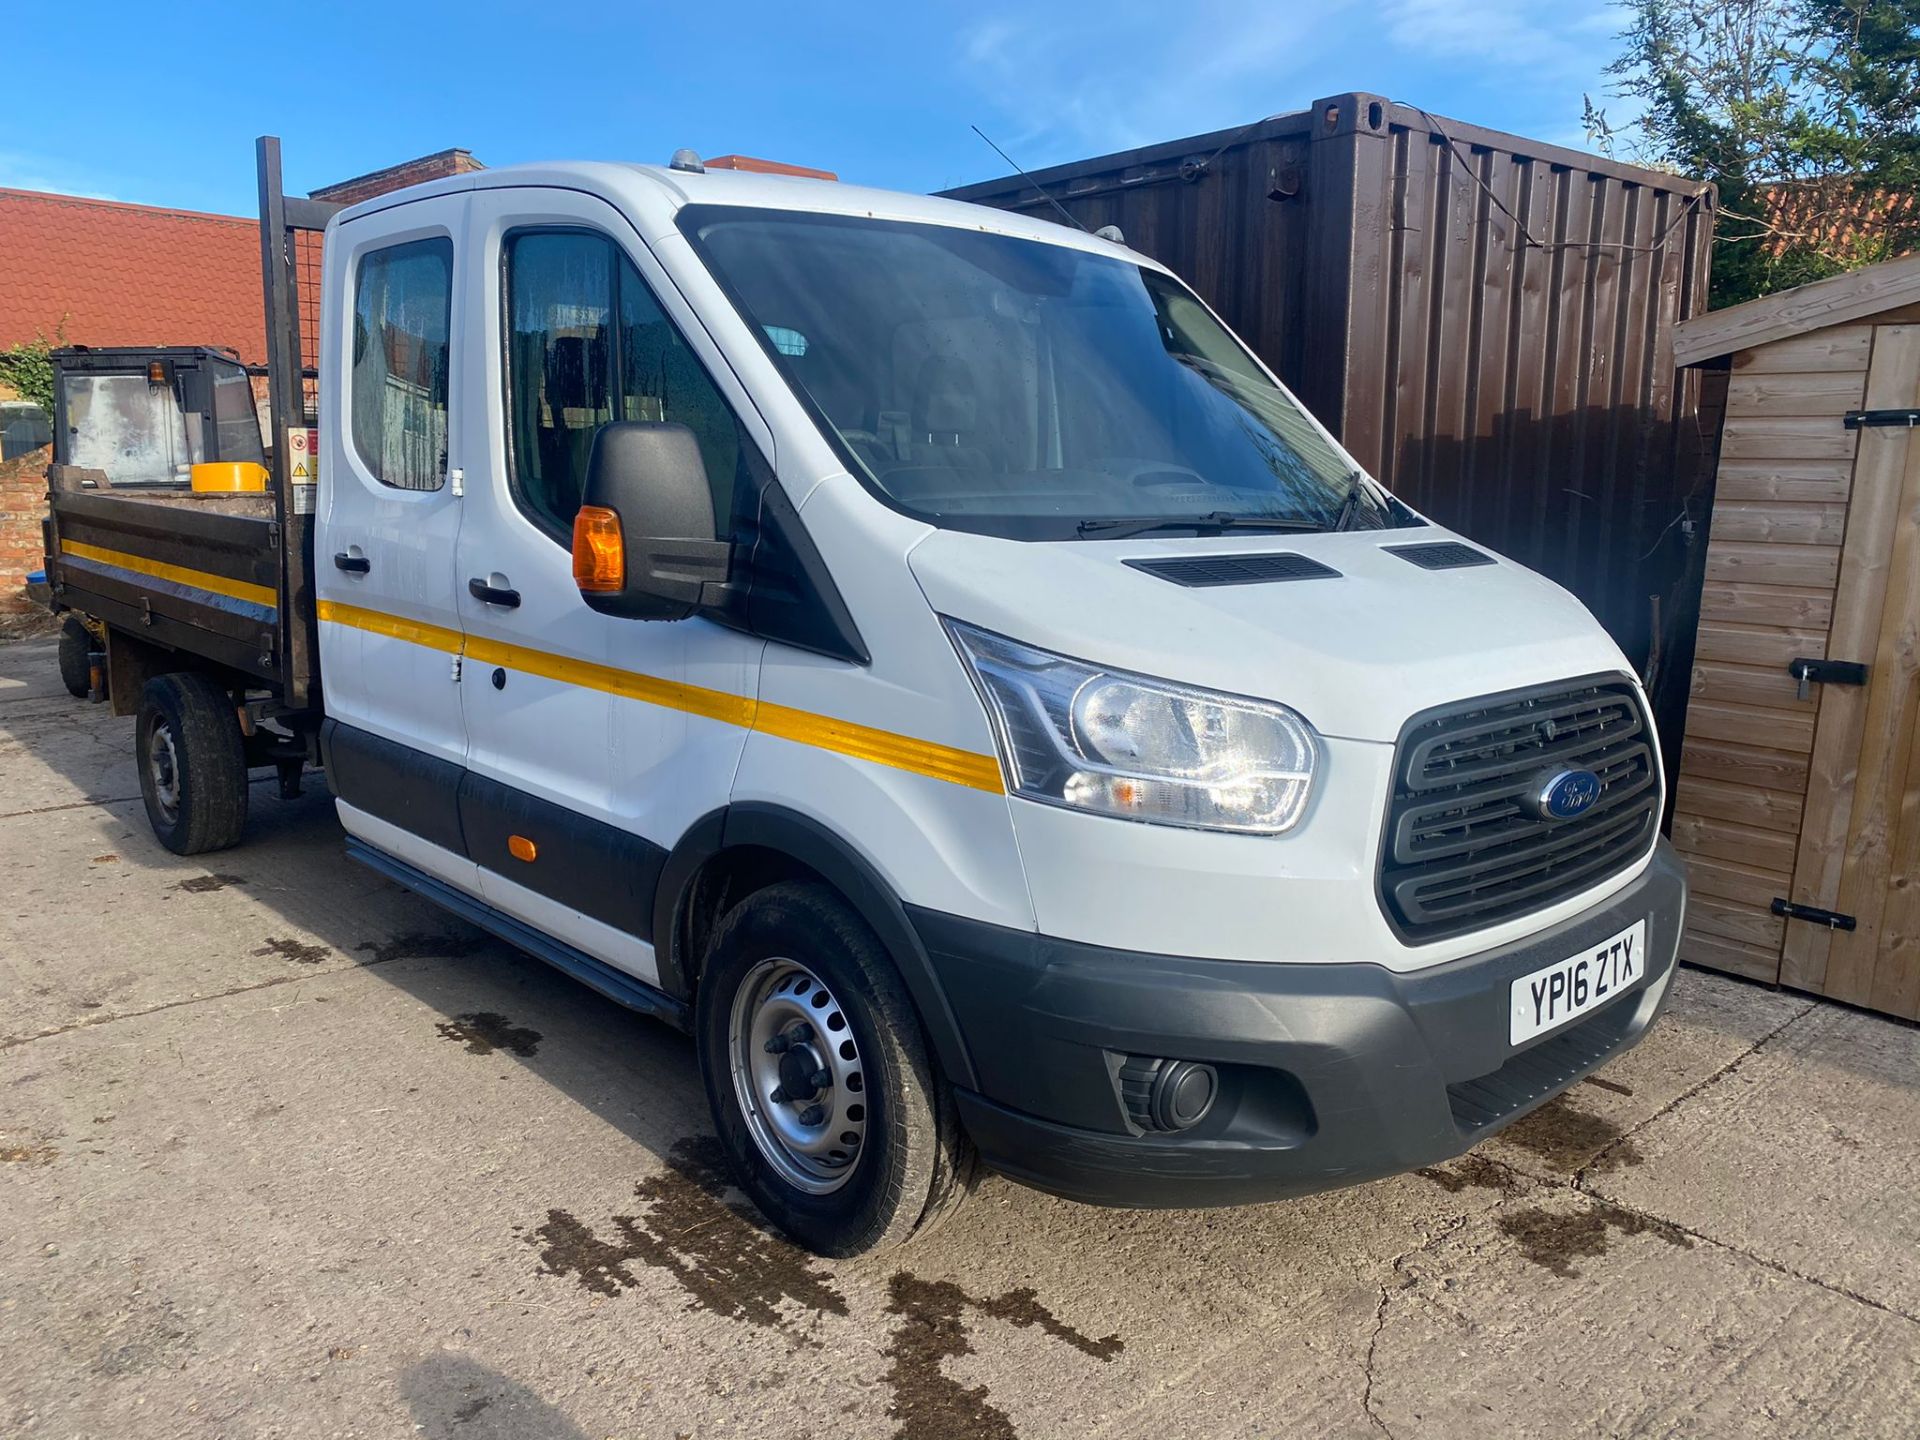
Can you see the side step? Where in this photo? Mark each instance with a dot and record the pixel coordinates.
(616, 985)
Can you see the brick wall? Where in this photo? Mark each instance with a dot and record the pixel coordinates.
(410, 172)
(23, 504)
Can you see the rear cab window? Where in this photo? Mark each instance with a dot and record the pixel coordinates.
(402, 317)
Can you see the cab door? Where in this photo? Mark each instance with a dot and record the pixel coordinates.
(593, 742)
(385, 565)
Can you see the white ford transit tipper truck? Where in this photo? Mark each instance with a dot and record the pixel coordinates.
(918, 650)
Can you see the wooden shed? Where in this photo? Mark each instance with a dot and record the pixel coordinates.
(1798, 797)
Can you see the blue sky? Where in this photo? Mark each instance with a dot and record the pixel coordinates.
(159, 104)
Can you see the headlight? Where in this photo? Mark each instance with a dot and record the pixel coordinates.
(1141, 749)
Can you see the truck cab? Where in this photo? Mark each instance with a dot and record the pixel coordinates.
(920, 651)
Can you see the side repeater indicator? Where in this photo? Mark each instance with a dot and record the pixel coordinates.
(599, 551)
(521, 848)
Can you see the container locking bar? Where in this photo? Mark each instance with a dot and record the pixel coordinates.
(1813, 914)
(1875, 419)
(1811, 672)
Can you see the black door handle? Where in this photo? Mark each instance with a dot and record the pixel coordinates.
(493, 595)
(352, 564)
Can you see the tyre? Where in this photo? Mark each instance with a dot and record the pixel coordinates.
(76, 658)
(193, 766)
(822, 1090)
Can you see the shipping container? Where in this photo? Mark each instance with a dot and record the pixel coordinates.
(1485, 321)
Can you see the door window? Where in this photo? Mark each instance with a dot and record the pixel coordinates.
(402, 312)
(586, 344)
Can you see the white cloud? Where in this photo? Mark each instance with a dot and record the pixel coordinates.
(1065, 81)
(1120, 74)
(21, 171)
(1565, 40)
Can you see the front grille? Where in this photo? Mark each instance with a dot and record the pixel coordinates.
(1464, 850)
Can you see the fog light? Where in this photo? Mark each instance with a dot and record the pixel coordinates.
(1167, 1095)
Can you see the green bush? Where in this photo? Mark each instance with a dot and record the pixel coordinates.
(28, 369)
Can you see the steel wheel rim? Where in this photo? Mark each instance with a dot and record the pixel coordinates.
(163, 768)
(786, 1028)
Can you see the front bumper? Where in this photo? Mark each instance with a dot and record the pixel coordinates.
(1330, 1074)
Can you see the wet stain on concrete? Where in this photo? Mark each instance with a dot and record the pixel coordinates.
(296, 951)
(1568, 1138)
(1474, 1172)
(722, 1261)
(203, 884)
(928, 1403)
(417, 945)
(1600, 1082)
(1554, 1239)
(484, 1032)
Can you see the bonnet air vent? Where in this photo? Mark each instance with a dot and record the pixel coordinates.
(1441, 555)
(1204, 570)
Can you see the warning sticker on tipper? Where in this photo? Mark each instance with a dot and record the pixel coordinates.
(303, 453)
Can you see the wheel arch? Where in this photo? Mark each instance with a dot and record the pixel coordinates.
(734, 851)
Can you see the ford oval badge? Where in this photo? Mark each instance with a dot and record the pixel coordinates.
(1567, 793)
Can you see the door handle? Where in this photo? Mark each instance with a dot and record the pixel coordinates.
(493, 594)
(352, 564)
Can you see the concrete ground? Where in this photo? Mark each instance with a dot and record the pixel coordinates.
(284, 1151)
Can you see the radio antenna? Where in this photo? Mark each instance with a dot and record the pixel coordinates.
(1031, 181)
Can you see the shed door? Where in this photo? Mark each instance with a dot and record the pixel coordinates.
(1859, 851)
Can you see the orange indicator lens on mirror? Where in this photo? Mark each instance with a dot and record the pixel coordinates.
(599, 555)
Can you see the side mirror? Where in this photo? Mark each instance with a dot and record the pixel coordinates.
(643, 542)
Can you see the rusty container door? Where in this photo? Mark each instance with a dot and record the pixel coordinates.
(1485, 322)
(1859, 851)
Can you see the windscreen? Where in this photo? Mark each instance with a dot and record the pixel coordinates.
(1002, 385)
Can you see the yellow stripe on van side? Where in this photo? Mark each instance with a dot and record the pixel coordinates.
(178, 574)
(882, 747)
(434, 637)
(822, 732)
(650, 689)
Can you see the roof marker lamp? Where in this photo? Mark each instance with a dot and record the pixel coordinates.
(1125, 745)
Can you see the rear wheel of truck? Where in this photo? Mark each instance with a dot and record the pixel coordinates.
(827, 1102)
(193, 764)
(76, 658)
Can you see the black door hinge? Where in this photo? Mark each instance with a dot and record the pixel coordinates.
(1813, 914)
(1875, 419)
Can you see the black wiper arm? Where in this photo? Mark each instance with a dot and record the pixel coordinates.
(1120, 526)
(1350, 503)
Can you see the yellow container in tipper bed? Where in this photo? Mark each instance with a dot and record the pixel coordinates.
(229, 477)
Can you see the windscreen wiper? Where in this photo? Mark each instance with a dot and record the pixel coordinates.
(1349, 509)
(1118, 527)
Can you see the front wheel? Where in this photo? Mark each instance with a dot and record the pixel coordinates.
(193, 763)
(818, 1076)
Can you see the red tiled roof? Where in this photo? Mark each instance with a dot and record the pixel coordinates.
(104, 273)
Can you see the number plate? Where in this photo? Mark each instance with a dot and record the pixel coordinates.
(1549, 998)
